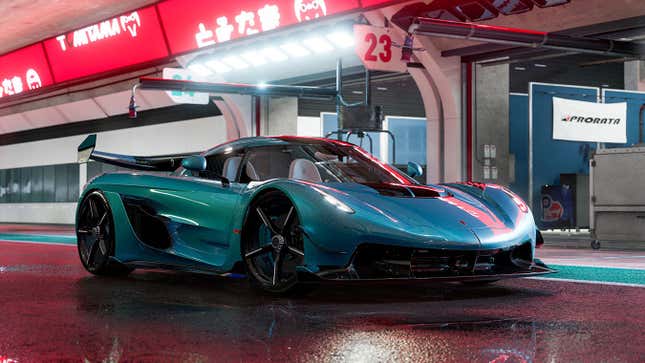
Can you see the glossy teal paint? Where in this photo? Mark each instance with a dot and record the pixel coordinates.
(206, 218)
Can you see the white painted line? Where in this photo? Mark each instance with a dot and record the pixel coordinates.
(587, 282)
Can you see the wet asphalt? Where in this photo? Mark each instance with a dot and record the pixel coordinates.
(52, 310)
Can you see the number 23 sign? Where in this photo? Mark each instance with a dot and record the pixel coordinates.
(379, 48)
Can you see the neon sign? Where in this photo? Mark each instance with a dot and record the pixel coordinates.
(106, 29)
(24, 70)
(106, 46)
(205, 23)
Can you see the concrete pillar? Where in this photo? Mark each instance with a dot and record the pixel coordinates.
(491, 124)
(444, 76)
(281, 116)
(237, 110)
(434, 120)
(635, 75)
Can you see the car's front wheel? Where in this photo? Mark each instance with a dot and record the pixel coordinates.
(95, 236)
(273, 243)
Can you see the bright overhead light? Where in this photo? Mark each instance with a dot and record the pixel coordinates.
(295, 49)
(235, 62)
(255, 58)
(218, 66)
(341, 39)
(274, 54)
(381, 88)
(200, 69)
(520, 68)
(318, 45)
(357, 92)
(539, 65)
(262, 85)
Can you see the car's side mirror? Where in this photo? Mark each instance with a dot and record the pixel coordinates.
(194, 163)
(414, 169)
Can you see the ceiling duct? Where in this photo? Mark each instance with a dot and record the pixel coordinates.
(522, 37)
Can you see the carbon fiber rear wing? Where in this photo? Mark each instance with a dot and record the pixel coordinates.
(165, 163)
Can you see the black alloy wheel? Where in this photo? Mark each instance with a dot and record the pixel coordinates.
(95, 236)
(273, 244)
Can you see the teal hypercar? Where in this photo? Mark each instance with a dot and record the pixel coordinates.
(291, 210)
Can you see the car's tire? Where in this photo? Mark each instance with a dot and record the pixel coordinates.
(273, 244)
(95, 236)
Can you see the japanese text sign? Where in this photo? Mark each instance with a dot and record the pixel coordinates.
(24, 70)
(122, 41)
(201, 23)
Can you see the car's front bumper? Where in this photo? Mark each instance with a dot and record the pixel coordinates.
(391, 263)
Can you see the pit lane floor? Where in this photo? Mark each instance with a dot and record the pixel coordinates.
(52, 310)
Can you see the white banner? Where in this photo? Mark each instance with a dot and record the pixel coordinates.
(199, 98)
(589, 121)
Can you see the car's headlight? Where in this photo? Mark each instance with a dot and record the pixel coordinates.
(338, 204)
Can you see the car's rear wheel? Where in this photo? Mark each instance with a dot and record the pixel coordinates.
(95, 236)
(273, 243)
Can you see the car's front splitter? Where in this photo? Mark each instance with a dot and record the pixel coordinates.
(348, 275)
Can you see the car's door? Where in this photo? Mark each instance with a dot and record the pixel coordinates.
(203, 209)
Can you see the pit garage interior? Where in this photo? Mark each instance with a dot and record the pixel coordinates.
(543, 97)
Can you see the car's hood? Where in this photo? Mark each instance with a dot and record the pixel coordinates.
(434, 211)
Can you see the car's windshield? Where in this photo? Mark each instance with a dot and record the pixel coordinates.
(320, 163)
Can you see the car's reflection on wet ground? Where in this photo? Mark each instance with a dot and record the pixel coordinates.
(52, 310)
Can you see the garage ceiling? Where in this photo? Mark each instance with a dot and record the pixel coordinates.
(29, 21)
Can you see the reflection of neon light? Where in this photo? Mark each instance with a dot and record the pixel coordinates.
(178, 196)
(333, 201)
(187, 220)
(383, 213)
(486, 217)
(384, 166)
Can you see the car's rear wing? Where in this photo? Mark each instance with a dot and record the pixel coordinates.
(87, 152)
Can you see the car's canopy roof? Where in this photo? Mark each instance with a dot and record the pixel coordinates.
(260, 141)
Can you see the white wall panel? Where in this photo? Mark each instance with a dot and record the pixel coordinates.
(43, 117)
(14, 123)
(154, 99)
(170, 138)
(81, 110)
(56, 213)
(309, 126)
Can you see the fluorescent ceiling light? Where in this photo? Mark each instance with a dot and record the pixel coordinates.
(357, 92)
(218, 66)
(255, 58)
(274, 54)
(520, 68)
(200, 69)
(295, 49)
(539, 65)
(235, 62)
(341, 39)
(318, 45)
(381, 88)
